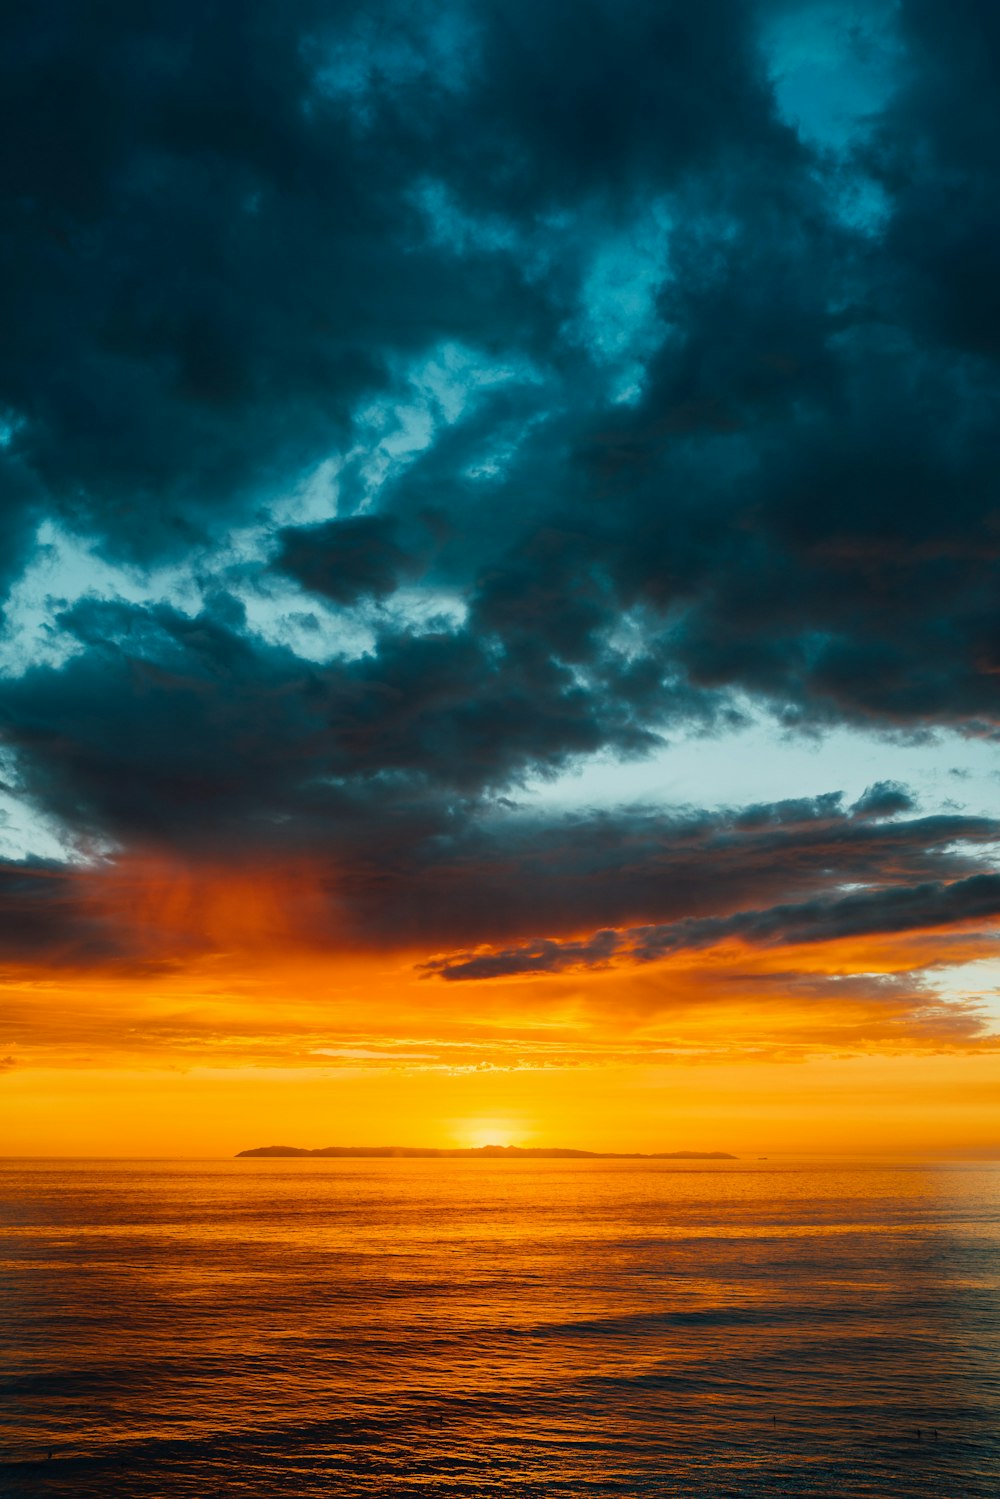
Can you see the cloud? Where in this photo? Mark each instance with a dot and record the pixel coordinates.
(565, 303)
(910, 908)
(345, 560)
(883, 799)
(335, 871)
(213, 236)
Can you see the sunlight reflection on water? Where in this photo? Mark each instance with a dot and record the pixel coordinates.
(482, 1328)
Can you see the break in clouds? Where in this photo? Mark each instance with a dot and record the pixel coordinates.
(435, 396)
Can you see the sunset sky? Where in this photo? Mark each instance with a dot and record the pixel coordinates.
(500, 539)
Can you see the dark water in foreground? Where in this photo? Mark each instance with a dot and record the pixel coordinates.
(513, 1328)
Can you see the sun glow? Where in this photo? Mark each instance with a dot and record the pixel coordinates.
(473, 1134)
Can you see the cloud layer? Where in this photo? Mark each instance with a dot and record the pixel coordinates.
(498, 386)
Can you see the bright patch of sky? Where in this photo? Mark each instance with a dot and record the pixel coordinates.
(430, 46)
(494, 462)
(762, 763)
(63, 570)
(620, 274)
(67, 568)
(439, 390)
(315, 500)
(833, 66)
(449, 226)
(432, 393)
(10, 425)
(282, 614)
(979, 981)
(618, 321)
(24, 832)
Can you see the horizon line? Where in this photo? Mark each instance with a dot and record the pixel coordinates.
(752, 1156)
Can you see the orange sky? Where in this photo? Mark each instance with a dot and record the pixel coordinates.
(499, 584)
(231, 1025)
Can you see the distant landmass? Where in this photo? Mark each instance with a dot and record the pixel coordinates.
(489, 1152)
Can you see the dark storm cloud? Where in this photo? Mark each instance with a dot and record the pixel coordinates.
(691, 876)
(906, 909)
(233, 231)
(394, 868)
(582, 97)
(167, 728)
(938, 152)
(497, 880)
(345, 559)
(42, 916)
(205, 260)
(211, 242)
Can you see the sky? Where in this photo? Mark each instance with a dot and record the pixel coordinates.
(499, 547)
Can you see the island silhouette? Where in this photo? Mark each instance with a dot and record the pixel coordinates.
(489, 1152)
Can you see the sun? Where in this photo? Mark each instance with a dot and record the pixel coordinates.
(472, 1134)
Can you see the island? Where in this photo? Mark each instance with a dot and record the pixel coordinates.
(485, 1152)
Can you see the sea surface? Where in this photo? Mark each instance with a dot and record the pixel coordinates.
(456, 1328)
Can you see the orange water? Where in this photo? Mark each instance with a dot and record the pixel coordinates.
(492, 1328)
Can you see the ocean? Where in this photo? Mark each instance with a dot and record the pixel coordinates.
(458, 1328)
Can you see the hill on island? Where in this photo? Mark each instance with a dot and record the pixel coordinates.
(488, 1152)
